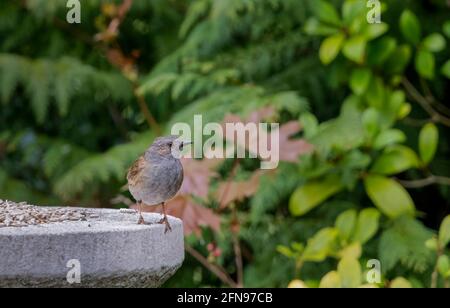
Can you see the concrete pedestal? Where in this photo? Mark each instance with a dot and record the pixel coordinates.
(105, 249)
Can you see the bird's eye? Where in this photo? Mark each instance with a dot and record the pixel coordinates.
(170, 144)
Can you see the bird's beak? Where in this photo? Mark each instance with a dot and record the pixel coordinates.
(187, 143)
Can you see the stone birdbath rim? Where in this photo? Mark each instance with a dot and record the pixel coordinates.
(38, 244)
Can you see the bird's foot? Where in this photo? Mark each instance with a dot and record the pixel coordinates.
(141, 220)
(165, 221)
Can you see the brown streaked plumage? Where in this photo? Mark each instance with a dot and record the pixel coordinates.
(156, 176)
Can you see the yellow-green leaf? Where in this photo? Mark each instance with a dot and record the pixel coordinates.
(395, 159)
(349, 271)
(443, 265)
(444, 232)
(389, 137)
(373, 31)
(425, 64)
(331, 281)
(351, 251)
(325, 12)
(310, 195)
(330, 47)
(428, 141)
(366, 225)
(314, 27)
(355, 48)
(434, 42)
(345, 223)
(296, 283)
(389, 196)
(320, 245)
(400, 283)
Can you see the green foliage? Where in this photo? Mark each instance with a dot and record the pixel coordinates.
(404, 242)
(72, 121)
(428, 141)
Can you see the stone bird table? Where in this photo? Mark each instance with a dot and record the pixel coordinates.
(78, 247)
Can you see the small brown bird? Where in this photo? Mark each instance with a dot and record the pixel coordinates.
(156, 176)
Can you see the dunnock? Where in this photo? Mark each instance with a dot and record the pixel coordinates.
(156, 176)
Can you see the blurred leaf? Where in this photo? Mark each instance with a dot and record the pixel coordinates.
(229, 192)
(309, 123)
(410, 27)
(389, 137)
(428, 142)
(353, 251)
(425, 64)
(398, 60)
(400, 283)
(370, 120)
(351, 9)
(299, 284)
(349, 271)
(320, 245)
(444, 232)
(195, 12)
(291, 149)
(434, 42)
(354, 49)
(432, 244)
(315, 27)
(446, 69)
(373, 31)
(366, 225)
(312, 194)
(443, 265)
(389, 196)
(404, 111)
(394, 160)
(330, 47)
(285, 251)
(331, 280)
(404, 242)
(343, 133)
(325, 12)
(360, 79)
(376, 93)
(446, 28)
(345, 223)
(380, 50)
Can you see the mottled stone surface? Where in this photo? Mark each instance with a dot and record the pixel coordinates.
(112, 249)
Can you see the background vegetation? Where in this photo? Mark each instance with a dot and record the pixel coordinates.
(364, 176)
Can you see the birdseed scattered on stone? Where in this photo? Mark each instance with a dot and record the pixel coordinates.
(14, 214)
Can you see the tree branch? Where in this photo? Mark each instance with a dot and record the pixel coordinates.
(215, 269)
(146, 111)
(424, 103)
(237, 250)
(432, 99)
(432, 179)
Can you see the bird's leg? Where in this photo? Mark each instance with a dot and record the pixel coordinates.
(164, 220)
(141, 218)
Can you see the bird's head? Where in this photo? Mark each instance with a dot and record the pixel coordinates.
(168, 147)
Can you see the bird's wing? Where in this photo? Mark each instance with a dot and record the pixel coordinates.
(135, 170)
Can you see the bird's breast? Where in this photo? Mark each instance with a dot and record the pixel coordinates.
(161, 181)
